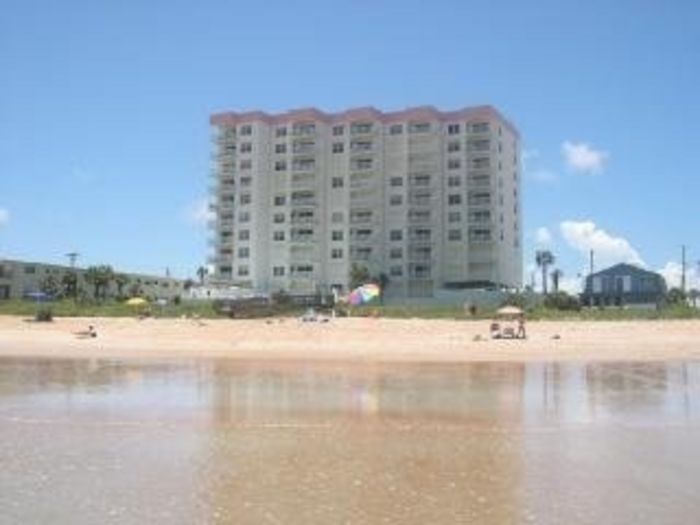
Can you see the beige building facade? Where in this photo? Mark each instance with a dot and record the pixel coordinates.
(431, 199)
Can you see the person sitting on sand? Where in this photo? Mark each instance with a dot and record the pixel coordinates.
(87, 334)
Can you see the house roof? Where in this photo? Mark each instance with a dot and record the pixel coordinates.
(625, 268)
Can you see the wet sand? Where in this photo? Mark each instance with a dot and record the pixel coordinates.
(182, 441)
(355, 339)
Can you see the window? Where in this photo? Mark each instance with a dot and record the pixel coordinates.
(482, 162)
(246, 181)
(480, 234)
(454, 181)
(480, 127)
(337, 235)
(304, 129)
(303, 164)
(452, 146)
(244, 216)
(278, 271)
(338, 131)
(280, 148)
(396, 200)
(278, 218)
(454, 235)
(246, 147)
(336, 253)
(244, 252)
(396, 129)
(244, 235)
(280, 200)
(30, 270)
(337, 182)
(242, 271)
(396, 181)
(419, 127)
(278, 236)
(246, 130)
(454, 199)
(338, 147)
(362, 164)
(246, 164)
(481, 216)
(453, 164)
(280, 165)
(453, 129)
(395, 235)
(454, 216)
(360, 127)
(396, 253)
(281, 132)
(396, 271)
(246, 198)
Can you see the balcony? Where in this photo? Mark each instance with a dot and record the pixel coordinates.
(419, 217)
(303, 180)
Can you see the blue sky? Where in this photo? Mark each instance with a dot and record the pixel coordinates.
(104, 137)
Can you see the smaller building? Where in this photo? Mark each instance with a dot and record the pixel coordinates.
(624, 285)
(20, 279)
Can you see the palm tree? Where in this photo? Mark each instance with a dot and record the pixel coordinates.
(99, 277)
(121, 281)
(544, 258)
(557, 274)
(201, 273)
(694, 295)
(359, 275)
(69, 281)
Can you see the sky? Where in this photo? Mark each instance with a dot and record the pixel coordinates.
(104, 113)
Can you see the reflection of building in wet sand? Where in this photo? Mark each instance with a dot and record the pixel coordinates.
(337, 443)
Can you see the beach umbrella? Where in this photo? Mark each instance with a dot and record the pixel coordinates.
(37, 296)
(136, 301)
(363, 294)
(509, 310)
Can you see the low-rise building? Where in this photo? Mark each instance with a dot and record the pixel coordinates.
(21, 279)
(624, 285)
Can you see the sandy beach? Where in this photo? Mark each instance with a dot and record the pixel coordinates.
(358, 339)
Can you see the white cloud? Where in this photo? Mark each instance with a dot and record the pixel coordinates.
(585, 236)
(4, 216)
(543, 236)
(582, 158)
(198, 213)
(672, 273)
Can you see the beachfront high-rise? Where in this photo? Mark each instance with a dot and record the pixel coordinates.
(431, 199)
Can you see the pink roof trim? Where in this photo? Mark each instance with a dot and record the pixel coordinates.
(231, 118)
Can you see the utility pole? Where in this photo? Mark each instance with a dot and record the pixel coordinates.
(72, 257)
(683, 268)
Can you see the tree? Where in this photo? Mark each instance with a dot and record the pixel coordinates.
(187, 285)
(694, 295)
(544, 258)
(557, 274)
(201, 273)
(50, 286)
(382, 281)
(99, 277)
(676, 296)
(121, 281)
(69, 281)
(359, 275)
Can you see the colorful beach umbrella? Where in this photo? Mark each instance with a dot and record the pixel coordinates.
(363, 294)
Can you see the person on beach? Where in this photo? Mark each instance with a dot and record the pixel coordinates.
(87, 334)
(521, 327)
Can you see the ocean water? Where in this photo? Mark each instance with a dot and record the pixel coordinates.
(221, 441)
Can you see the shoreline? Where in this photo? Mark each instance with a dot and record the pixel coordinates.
(363, 340)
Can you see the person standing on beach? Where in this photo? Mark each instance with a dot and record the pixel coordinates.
(521, 327)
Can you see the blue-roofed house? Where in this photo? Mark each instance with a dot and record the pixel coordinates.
(624, 285)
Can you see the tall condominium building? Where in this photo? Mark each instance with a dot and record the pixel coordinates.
(431, 199)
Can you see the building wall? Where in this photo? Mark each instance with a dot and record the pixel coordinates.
(18, 278)
(430, 198)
